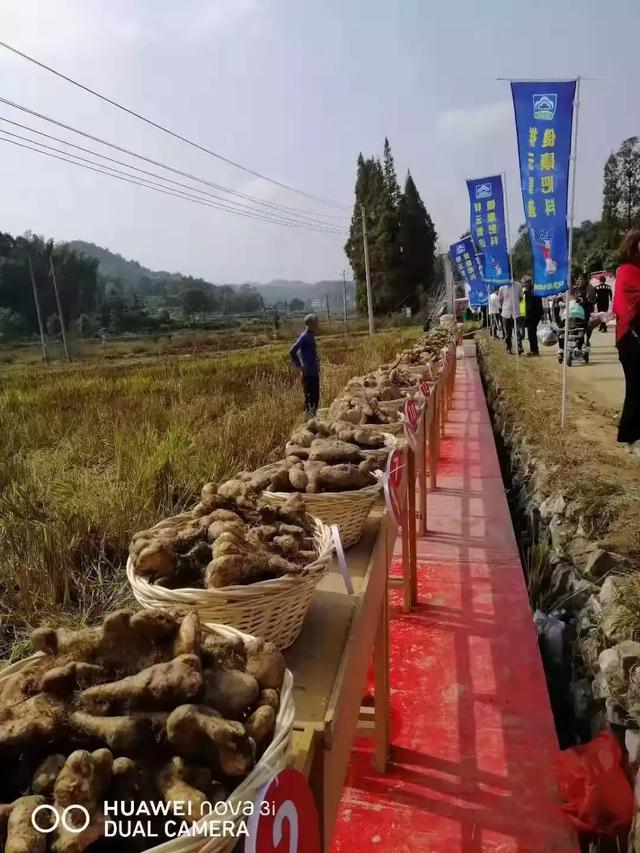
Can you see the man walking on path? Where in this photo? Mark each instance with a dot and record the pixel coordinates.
(533, 313)
(508, 295)
(604, 295)
(304, 355)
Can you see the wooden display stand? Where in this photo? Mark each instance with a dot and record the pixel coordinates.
(342, 633)
(330, 660)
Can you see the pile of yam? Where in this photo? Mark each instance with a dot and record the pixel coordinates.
(145, 708)
(312, 465)
(232, 537)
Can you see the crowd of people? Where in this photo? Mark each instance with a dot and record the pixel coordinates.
(515, 313)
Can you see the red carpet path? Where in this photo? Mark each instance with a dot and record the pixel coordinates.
(473, 741)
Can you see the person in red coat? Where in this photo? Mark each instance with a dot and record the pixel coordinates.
(626, 307)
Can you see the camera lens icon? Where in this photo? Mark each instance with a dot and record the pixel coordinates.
(52, 818)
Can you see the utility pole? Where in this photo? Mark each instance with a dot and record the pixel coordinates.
(450, 287)
(344, 294)
(39, 315)
(367, 270)
(326, 296)
(60, 315)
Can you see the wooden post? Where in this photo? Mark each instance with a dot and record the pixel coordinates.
(433, 440)
(381, 682)
(59, 304)
(38, 314)
(422, 468)
(406, 549)
(413, 543)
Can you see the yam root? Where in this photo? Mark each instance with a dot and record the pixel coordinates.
(188, 640)
(222, 652)
(156, 688)
(134, 734)
(37, 722)
(196, 732)
(46, 774)
(68, 841)
(261, 724)
(22, 836)
(334, 451)
(173, 784)
(269, 697)
(126, 780)
(267, 665)
(84, 779)
(230, 692)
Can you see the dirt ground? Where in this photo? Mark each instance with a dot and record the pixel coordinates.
(602, 378)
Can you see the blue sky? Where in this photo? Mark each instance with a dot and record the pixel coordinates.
(295, 90)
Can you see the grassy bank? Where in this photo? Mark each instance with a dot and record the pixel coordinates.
(583, 460)
(93, 454)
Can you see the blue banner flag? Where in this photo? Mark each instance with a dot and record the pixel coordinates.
(487, 228)
(464, 259)
(544, 119)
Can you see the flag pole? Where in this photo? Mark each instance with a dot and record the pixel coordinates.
(574, 153)
(505, 197)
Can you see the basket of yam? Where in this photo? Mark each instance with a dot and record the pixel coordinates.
(238, 559)
(150, 716)
(336, 481)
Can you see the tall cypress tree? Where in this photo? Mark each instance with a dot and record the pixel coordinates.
(401, 238)
(418, 238)
(391, 185)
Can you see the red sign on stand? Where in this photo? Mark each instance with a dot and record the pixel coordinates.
(393, 481)
(411, 421)
(285, 818)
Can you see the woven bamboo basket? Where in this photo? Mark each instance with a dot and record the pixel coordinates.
(275, 758)
(271, 609)
(349, 510)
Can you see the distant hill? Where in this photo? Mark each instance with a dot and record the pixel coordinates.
(284, 291)
(112, 265)
(147, 282)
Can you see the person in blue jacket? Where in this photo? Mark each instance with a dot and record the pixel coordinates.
(304, 355)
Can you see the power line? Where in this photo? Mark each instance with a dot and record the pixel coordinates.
(237, 205)
(271, 205)
(167, 130)
(165, 191)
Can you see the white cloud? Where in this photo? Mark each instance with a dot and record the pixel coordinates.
(482, 119)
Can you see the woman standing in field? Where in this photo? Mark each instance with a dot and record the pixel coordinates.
(626, 307)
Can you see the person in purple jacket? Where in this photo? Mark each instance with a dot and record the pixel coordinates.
(304, 355)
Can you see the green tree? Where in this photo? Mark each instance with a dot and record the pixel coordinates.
(296, 305)
(417, 243)
(391, 185)
(610, 202)
(521, 257)
(194, 302)
(382, 229)
(53, 325)
(628, 157)
(12, 325)
(621, 192)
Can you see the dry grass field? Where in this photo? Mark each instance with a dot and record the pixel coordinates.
(89, 454)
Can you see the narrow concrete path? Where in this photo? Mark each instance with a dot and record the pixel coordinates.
(473, 737)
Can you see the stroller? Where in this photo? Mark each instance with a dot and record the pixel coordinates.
(578, 349)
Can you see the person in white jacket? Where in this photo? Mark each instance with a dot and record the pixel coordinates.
(509, 297)
(494, 313)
